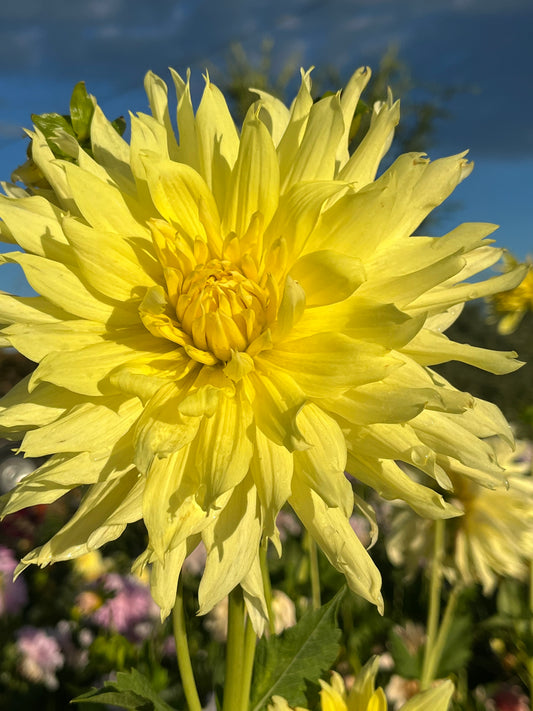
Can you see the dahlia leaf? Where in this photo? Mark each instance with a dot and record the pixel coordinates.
(301, 654)
(131, 690)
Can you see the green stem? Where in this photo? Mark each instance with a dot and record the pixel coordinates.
(234, 652)
(442, 635)
(182, 652)
(434, 602)
(250, 639)
(267, 587)
(314, 573)
(530, 658)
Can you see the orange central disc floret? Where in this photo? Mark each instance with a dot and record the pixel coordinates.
(221, 309)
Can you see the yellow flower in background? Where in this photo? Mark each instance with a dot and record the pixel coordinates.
(492, 539)
(231, 322)
(511, 306)
(90, 566)
(363, 696)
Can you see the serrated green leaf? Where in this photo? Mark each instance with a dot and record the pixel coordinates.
(405, 664)
(458, 647)
(131, 690)
(81, 111)
(125, 700)
(300, 655)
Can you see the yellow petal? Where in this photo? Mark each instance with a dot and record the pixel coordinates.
(64, 288)
(36, 224)
(254, 186)
(276, 400)
(327, 362)
(441, 298)
(218, 142)
(364, 685)
(322, 465)
(101, 517)
(332, 531)
(188, 147)
(96, 252)
(111, 151)
(298, 213)
(164, 578)
(170, 508)
(232, 545)
(295, 129)
(273, 113)
(29, 309)
(59, 475)
(363, 319)
(271, 468)
(315, 158)
(157, 93)
(391, 482)
(254, 597)
(328, 276)
(430, 348)
(35, 341)
(223, 448)
(85, 428)
(177, 191)
(363, 165)
(52, 170)
(102, 204)
(349, 99)
(162, 429)
(21, 409)
(97, 361)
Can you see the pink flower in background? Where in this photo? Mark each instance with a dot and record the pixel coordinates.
(128, 609)
(41, 656)
(13, 593)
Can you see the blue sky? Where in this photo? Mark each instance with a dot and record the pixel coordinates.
(481, 46)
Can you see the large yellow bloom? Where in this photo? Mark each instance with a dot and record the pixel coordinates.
(230, 322)
(363, 696)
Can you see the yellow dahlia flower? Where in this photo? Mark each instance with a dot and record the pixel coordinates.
(494, 536)
(511, 306)
(229, 321)
(363, 696)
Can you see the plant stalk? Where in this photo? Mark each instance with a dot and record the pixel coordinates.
(435, 591)
(314, 573)
(233, 700)
(182, 652)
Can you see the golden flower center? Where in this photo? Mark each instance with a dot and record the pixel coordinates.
(220, 308)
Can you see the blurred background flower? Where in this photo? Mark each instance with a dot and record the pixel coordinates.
(40, 656)
(13, 593)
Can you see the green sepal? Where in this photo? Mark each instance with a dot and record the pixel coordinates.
(81, 111)
(120, 125)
